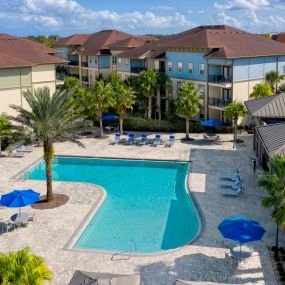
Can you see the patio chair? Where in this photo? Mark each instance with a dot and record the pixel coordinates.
(212, 137)
(143, 139)
(23, 148)
(229, 184)
(131, 139)
(15, 153)
(171, 141)
(117, 138)
(32, 217)
(157, 140)
(6, 225)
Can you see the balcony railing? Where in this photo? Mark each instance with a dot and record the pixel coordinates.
(137, 69)
(219, 102)
(84, 64)
(219, 79)
(85, 78)
(74, 63)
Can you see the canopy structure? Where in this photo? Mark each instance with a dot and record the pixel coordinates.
(109, 117)
(20, 198)
(241, 229)
(211, 123)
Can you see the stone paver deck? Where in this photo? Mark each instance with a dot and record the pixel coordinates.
(204, 260)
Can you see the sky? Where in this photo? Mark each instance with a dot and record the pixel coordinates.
(66, 17)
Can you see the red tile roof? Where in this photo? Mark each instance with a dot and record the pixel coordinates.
(101, 41)
(73, 40)
(18, 52)
(132, 42)
(227, 42)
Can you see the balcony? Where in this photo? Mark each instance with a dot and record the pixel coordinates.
(74, 63)
(137, 70)
(218, 103)
(84, 64)
(85, 79)
(220, 80)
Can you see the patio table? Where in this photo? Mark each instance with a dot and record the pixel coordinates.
(20, 218)
(241, 252)
(109, 128)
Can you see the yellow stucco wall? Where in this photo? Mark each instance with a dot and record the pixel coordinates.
(43, 73)
(242, 90)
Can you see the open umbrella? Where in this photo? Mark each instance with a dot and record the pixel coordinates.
(212, 123)
(19, 198)
(109, 117)
(241, 230)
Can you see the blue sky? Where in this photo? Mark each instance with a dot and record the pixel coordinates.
(65, 17)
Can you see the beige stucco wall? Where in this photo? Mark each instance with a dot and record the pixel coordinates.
(50, 85)
(7, 98)
(43, 73)
(215, 92)
(242, 90)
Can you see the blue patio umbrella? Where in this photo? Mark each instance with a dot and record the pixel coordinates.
(20, 198)
(241, 230)
(212, 123)
(109, 117)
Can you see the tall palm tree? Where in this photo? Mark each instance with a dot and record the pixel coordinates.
(234, 111)
(51, 119)
(274, 184)
(163, 83)
(148, 84)
(189, 103)
(102, 97)
(5, 129)
(261, 91)
(23, 268)
(125, 99)
(273, 78)
(115, 80)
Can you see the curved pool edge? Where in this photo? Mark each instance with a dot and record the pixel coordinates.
(92, 212)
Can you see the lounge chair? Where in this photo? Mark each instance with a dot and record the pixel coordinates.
(231, 192)
(15, 153)
(131, 139)
(231, 183)
(171, 140)
(32, 217)
(117, 138)
(81, 277)
(157, 140)
(212, 137)
(143, 139)
(6, 225)
(23, 148)
(231, 177)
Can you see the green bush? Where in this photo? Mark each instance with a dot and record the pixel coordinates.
(139, 124)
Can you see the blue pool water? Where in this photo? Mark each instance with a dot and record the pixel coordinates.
(146, 203)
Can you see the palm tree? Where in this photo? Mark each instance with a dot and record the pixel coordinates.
(115, 80)
(125, 99)
(148, 85)
(163, 83)
(5, 129)
(188, 104)
(23, 268)
(51, 119)
(261, 91)
(234, 111)
(274, 184)
(101, 96)
(273, 78)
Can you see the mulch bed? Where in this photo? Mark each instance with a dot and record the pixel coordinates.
(57, 201)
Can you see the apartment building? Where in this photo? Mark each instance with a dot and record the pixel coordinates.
(24, 65)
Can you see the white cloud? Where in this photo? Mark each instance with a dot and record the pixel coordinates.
(225, 19)
(161, 7)
(68, 15)
(201, 11)
(244, 4)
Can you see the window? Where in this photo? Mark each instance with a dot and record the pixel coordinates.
(202, 91)
(190, 67)
(180, 67)
(179, 84)
(170, 66)
(126, 62)
(119, 61)
(96, 60)
(202, 68)
(114, 60)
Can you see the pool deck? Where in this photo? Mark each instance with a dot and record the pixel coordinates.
(204, 260)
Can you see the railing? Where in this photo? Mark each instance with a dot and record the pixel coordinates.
(137, 69)
(74, 63)
(219, 79)
(84, 64)
(85, 78)
(219, 102)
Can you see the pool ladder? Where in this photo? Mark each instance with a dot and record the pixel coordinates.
(125, 255)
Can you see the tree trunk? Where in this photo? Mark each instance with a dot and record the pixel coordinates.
(101, 124)
(121, 124)
(0, 147)
(158, 102)
(277, 237)
(149, 107)
(48, 156)
(187, 129)
(235, 128)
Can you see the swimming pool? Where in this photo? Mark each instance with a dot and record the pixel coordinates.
(147, 203)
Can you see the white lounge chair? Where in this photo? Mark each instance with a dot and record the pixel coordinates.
(130, 139)
(117, 138)
(157, 140)
(15, 153)
(213, 137)
(6, 225)
(23, 148)
(171, 141)
(143, 139)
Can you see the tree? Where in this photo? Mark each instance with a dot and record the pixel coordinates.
(5, 129)
(281, 88)
(188, 104)
(125, 99)
(115, 80)
(100, 96)
(148, 85)
(273, 78)
(71, 83)
(23, 268)
(234, 111)
(51, 119)
(274, 184)
(261, 91)
(163, 83)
